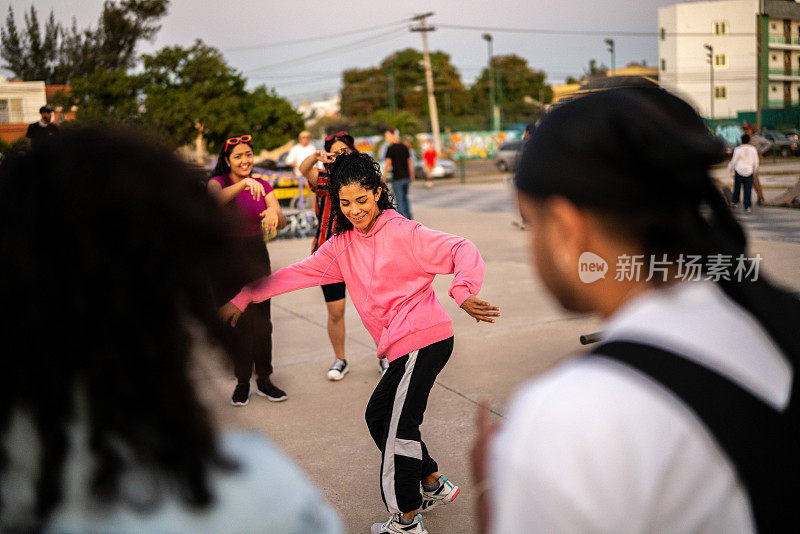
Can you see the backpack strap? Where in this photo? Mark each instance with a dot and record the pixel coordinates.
(755, 436)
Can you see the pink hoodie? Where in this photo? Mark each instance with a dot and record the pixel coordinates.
(388, 273)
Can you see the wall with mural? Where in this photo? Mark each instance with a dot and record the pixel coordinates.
(468, 145)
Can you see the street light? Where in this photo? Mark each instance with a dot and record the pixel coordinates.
(492, 105)
(710, 56)
(610, 43)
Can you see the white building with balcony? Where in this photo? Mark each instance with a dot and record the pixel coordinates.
(755, 54)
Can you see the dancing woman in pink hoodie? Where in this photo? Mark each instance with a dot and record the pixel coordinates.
(388, 263)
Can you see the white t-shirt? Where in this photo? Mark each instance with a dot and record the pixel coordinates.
(297, 154)
(744, 160)
(595, 446)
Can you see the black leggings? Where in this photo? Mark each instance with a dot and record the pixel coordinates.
(394, 415)
(252, 337)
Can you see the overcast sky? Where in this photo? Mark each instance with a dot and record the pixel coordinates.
(312, 70)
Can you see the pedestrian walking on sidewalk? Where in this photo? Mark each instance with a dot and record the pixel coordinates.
(336, 144)
(744, 169)
(251, 199)
(429, 158)
(389, 263)
(685, 417)
(399, 163)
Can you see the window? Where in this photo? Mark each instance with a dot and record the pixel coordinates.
(774, 57)
(772, 26)
(720, 60)
(720, 28)
(720, 92)
(663, 64)
(774, 89)
(663, 33)
(10, 110)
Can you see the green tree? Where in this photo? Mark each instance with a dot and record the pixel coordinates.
(57, 55)
(367, 91)
(594, 70)
(521, 87)
(33, 53)
(108, 96)
(364, 91)
(191, 91)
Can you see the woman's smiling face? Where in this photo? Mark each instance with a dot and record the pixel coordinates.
(241, 161)
(360, 205)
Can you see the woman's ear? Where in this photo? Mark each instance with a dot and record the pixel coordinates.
(378, 193)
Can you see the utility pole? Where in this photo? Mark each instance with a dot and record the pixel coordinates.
(499, 99)
(710, 56)
(492, 104)
(426, 58)
(610, 43)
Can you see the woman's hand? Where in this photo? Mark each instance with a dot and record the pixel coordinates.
(480, 309)
(229, 313)
(271, 219)
(325, 157)
(255, 187)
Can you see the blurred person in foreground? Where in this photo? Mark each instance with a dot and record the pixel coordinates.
(108, 246)
(684, 418)
(251, 200)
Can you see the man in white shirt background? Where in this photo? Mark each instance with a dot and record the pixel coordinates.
(743, 168)
(300, 151)
(297, 154)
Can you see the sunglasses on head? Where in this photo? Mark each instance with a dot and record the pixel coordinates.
(337, 135)
(236, 140)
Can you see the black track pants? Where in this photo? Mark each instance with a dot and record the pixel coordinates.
(394, 415)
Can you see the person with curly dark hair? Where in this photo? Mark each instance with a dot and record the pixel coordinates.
(389, 263)
(102, 429)
(336, 144)
(236, 187)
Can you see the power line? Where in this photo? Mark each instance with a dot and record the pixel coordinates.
(317, 38)
(373, 39)
(592, 32)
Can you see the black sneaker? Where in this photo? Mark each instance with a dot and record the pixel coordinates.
(241, 395)
(267, 389)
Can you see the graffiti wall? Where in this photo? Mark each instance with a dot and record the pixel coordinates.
(468, 145)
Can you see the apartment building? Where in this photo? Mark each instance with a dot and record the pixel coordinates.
(754, 49)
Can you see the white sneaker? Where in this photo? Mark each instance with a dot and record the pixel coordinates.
(338, 370)
(383, 365)
(444, 494)
(393, 526)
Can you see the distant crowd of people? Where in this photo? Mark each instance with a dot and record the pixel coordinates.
(117, 267)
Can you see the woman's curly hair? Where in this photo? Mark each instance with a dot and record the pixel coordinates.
(110, 246)
(356, 168)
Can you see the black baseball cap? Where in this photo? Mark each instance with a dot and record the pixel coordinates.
(45, 109)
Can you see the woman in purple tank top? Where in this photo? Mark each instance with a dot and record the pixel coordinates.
(252, 201)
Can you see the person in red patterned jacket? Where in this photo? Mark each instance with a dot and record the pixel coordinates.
(335, 145)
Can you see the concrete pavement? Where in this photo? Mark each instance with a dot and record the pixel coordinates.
(321, 425)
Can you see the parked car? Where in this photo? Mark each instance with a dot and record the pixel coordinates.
(275, 165)
(762, 144)
(444, 168)
(505, 159)
(780, 143)
(794, 135)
